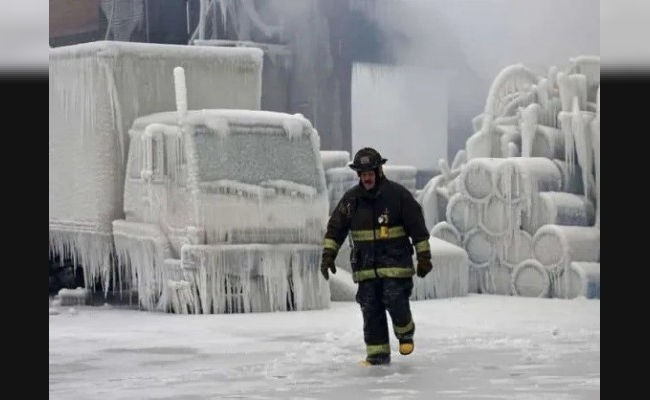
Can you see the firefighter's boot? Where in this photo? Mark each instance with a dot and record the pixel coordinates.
(377, 359)
(406, 347)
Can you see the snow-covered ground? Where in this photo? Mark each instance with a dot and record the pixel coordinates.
(478, 347)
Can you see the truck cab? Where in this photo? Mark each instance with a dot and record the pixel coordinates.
(225, 211)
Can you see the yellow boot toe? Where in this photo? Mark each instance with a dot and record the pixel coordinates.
(406, 348)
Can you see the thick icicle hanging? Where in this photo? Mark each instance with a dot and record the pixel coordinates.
(595, 137)
(528, 126)
(580, 123)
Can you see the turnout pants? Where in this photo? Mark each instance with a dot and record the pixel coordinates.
(376, 297)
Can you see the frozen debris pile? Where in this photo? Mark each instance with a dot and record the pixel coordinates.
(523, 198)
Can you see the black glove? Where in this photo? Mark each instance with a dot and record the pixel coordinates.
(424, 267)
(327, 263)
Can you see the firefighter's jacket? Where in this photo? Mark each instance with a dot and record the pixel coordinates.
(379, 223)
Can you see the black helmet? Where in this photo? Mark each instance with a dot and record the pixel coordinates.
(367, 159)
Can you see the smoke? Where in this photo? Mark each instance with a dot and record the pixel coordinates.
(471, 41)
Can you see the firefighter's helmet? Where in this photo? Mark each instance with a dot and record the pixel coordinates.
(367, 159)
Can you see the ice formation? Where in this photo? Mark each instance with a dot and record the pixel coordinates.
(433, 200)
(447, 232)
(96, 91)
(462, 213)
(339, 180)
(256, 188)
(402, 174)
(223, 209)
(523, 202)
(448, 278)
(595, 139)
(558, 208)
(579, 279)
(477, 178)
(518, 248)
(531, 279)
(555, 246)
(253, 278)
(334, 158)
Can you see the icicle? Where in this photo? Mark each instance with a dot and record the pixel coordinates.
(512, 150)
(567, 90)
(141, 249)
(579, 125)
(552, 77)
(257, 278)
(459, 160)
(499, 217)
(543, 93)
(528, 126)
(180, 90)
(91, 249)
(517, 249)
(565, 118)
(595, 138)
(580, 84)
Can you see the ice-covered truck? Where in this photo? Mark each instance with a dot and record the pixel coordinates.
(182, 189)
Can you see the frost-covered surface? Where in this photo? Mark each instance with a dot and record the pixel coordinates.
(339, 180)
(476, 346)
(477, 178)
(555, 246)
(449, 276)
(434, 198)
(447, 232)
(531, 279)
(96, 91)
(334, 158)
(402, 174)
(581, 280)
(558, 208)
(462, 213)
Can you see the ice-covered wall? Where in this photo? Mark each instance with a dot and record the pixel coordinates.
(96, 91)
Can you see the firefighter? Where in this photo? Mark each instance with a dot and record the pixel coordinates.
(380, 216)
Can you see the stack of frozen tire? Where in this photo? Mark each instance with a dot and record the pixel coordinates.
(524, 204)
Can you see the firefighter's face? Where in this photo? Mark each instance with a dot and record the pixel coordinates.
(368, 179)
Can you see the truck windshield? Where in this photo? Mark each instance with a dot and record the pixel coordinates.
(253, 155)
